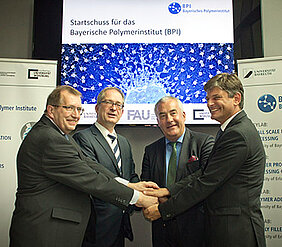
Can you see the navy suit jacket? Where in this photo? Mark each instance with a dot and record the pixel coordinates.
(231, 184)
(109, 218)
(191, 222)
(55, 180)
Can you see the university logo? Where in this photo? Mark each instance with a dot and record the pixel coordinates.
(267, 103)
(247, 73)
(174, 8)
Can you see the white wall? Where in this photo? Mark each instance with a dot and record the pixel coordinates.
(271, 27)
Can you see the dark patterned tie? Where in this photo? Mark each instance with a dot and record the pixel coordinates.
(171, 174)
(218, 134)
(115, 149)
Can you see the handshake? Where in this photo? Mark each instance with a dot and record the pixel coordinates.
(150, 197)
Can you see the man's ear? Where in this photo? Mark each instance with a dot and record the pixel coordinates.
(96, 108)
(50, 111)
(184, 115)
(237, 98)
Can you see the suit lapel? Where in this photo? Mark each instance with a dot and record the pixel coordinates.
(184, 155)
(160, 165)
(237, 118)
(122, 148)
(47, 121)
(105, 145)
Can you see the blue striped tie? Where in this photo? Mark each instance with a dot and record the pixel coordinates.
(115, 148)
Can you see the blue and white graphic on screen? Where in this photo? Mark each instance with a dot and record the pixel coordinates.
(145, 72)
(174, 8)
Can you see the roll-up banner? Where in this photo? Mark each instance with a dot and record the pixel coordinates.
(262, 80)
(24, 87)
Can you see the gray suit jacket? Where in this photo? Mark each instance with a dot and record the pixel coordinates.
(109, 218)
(191, 222)
(55, 179)
(231, 185)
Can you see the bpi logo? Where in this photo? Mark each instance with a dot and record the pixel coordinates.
(267, 103)
(174, 8)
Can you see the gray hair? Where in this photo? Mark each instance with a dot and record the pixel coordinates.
(101, 95)
(166, 98)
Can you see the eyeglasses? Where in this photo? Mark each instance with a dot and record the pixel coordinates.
(111, 103)
(71, 108)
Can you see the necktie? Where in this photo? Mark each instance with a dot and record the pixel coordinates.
(218, 134)
(66, 136)
(171, 174)
(115, 148)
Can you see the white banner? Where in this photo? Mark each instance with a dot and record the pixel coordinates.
(144, 114)
(146, 21)
(24, 87)
(262, 80)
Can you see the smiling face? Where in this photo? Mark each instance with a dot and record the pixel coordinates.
(220, 105)
(64, 119)
(171, 119)
(109, 115)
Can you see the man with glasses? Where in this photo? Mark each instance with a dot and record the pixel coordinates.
(55, 180)
(101, 143)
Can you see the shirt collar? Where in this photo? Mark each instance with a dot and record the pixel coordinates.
(223, 126)
(104, 131)
(180, 139)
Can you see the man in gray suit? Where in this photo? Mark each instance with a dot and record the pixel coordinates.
(102, 144)
(232, 180)
(55, 180)
(192, 151)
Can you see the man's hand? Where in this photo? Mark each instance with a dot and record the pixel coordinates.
(161, 192)
(152, 213)
(146, 201)
(143, 186)
(163, 199)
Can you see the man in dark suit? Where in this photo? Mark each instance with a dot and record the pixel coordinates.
(192, 151)
(232, 180)
(55, 179)
(112, 223)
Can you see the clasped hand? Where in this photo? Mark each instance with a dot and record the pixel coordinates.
(150, 198)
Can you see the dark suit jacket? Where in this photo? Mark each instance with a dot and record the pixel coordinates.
(191, 222)
(231, 185)
(54, 182)
(108, 216)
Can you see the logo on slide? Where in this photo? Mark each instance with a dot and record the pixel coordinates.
(174, 8)
(248, 73)
(25, 129)
(267, 103)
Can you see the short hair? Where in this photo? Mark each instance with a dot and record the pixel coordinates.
(54, 97)
(230, 83)
(101, 95)
(166, 98)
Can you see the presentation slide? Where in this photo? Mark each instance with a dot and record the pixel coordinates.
(148, 49)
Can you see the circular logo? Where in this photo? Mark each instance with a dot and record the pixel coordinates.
(174, 8)
(267, 103)
(25, 129)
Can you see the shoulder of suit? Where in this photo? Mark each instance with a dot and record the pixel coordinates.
(156, 143)
(84, 132)
(200, 135)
